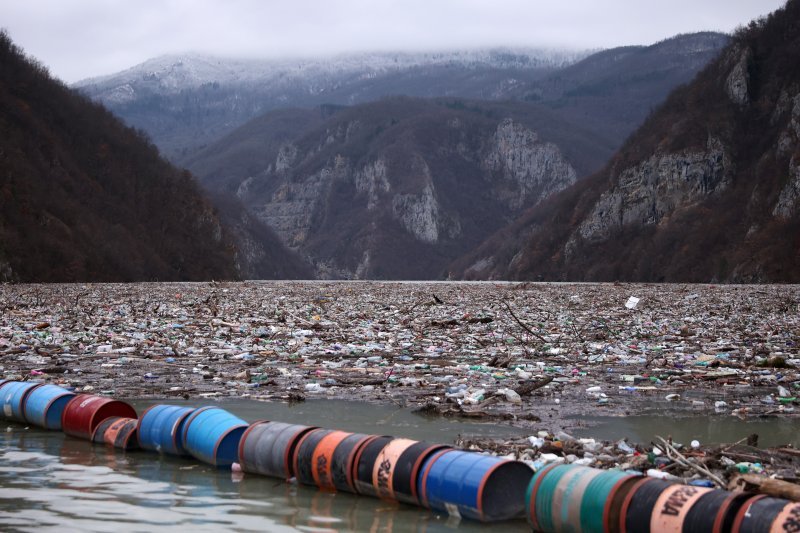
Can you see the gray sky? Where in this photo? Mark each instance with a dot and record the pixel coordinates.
(83, 38)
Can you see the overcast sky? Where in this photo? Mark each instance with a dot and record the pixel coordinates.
(82, 38)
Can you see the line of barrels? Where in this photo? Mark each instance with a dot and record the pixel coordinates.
(466, 484)
(583, 499)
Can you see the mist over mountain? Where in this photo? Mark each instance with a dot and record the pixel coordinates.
(187, 102)
(708, 189)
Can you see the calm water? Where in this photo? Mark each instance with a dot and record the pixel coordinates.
(52, 482)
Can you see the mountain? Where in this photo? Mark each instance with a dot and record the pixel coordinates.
(187, 101)
(396, 189)
(85, 198)
(707, 189)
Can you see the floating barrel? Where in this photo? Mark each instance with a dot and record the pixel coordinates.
(267, 448)
(161, 428)
(407, 468)
(212, 435)
(342, 461)
(638, 505)
(322, 459)
(364, 464)
(714, 512)
(45, 405)
(13, 396)
(763, 514)
(116, 431)
(576, 498)
(480, 487)
(304, 455)
(84, 412)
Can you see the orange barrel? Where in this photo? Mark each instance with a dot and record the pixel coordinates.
(763, 514)
(475, 486)
(84, 413)
(118, 432)
(322, 459)
(304, 455)
(364, 464)
(343, 458)
(383, 469)
(576, 498)
(13, 396)
(267, 448)
(408, 467)
(674, 505)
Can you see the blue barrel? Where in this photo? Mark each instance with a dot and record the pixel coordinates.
(45, 405)
(212, 435)
(479, 487)
(13, 396)
(161, 428)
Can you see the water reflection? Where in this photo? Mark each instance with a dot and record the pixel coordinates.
(50, 481)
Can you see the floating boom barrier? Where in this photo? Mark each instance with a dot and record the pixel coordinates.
(556, 498)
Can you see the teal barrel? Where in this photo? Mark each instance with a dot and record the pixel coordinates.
(212, 435)
(45, 405)
(577, 498)
(160, 428)
(474, 486)
(13, 396)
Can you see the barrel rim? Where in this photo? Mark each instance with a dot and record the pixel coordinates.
(247, 431)
(610, 504)
(352, 459)
(434, 448)
(174, 431)
(424, 478)
(50, 403)
(25, 393)
(725, 505)
(626, 503)
(740, 514)
(131, 434)
(533, 489)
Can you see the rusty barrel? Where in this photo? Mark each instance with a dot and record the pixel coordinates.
(45, 405)
(764, 514)
(118, 432)
(84, 412)
(212, 435)
(161, 428)
(13, 396)
(364, 464)
(267, 448)
(343, 458)
(576, 498)
(475, 486)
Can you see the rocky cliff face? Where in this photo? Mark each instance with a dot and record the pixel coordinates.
(708, 189)
(398, 188)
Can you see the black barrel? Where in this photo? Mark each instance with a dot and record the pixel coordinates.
(342, 461)
(406, 471)
(763, 514)
(364, 465)
(267, 448)
(637, 508)
(714, 512)
(304, 454)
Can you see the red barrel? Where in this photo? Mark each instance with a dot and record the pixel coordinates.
(118, 432)
(84, 413)
(763, 514)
